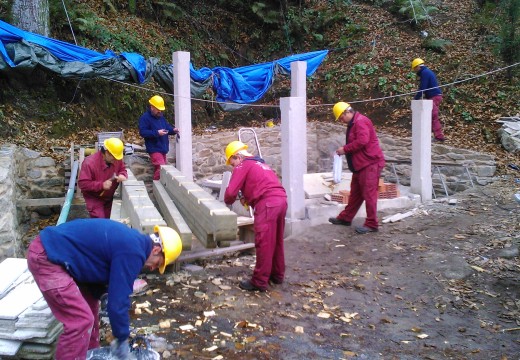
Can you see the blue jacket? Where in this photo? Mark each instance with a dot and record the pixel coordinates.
(148, 129)
(101, 252)
(428, 81)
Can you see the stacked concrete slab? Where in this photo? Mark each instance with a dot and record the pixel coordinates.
(138, 207)
(28, 330)
(172, 215)
(209, 219)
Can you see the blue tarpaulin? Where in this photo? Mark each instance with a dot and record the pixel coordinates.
(21, 50)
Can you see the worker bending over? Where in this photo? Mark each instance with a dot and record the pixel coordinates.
(75, 263)
(261, 189)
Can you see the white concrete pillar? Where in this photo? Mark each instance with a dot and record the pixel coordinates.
(299, 89)
(181, 91)
(421, 181)
(294, 154)
(299, 79)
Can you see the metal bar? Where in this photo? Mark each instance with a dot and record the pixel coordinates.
(254, 135)
(70, 193)
(442, 181)
(469, 175)
(395, 174)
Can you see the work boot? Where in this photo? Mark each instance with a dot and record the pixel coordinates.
(246, 285)
(365, 230)
(275, 280)
(337, 221)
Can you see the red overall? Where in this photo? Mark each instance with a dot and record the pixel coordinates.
(263, 191)
(75, 308)
(366, 161)
(95, 171)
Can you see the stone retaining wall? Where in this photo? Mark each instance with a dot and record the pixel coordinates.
(35, 176)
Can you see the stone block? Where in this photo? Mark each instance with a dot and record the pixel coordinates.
(210, 220)
(172, 215)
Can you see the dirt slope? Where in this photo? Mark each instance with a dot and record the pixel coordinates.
(442, 284)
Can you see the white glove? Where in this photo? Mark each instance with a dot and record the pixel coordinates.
(120, 350)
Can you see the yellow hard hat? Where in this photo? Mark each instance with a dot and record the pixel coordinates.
(115, 147)
(417, 62)
(339, 108)
(157, 102)
(234, 147)
(171, 245)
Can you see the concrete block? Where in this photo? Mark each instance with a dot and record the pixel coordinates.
(19, 299)
(172, 215)
(10, 270)
(9, 347)
(210, 220)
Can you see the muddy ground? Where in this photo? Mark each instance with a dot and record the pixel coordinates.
(442, 284)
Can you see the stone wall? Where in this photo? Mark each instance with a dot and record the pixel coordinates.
(322, 140)
(8, 234)
(35, 176)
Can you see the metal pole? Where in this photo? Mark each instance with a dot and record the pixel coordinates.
(70, 193)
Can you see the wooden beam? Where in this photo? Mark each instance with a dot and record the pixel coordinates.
(40, 202)
(192, 255)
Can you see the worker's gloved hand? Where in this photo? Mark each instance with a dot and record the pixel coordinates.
(120, 350)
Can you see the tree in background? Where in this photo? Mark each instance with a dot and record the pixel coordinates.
(509, 45)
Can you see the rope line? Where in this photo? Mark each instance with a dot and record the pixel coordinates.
(68, 19)
(320, 105)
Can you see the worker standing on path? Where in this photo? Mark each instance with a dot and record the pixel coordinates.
(74, 263)
(428, 89)
(100, 176)
(261, 189)
(154, 128)
(366, 161)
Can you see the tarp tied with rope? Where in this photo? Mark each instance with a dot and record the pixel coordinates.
(234, 88)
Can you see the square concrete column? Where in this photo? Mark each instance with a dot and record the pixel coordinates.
(421, 181)
(182, 98)
(294, 154)
(299, 79)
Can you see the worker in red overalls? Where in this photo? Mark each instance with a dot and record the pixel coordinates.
(366, 161)
(261, 189)
(100, 175)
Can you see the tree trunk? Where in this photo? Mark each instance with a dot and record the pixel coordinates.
(32, 15)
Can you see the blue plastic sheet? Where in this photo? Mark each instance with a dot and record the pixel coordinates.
(234, 88)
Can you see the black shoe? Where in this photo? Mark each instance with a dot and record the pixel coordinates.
(439, 140)
(246, 285)
(275, 281)
(365, 230)
(337, 221)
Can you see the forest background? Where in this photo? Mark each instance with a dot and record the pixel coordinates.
(472, 45)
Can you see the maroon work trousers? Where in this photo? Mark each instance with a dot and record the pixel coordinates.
(363, 188)
(269, 227)
(98, 207)
(157, 160)
(75, 308)
(436, 123)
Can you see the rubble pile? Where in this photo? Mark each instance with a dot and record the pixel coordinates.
(28, 330)
(509, 133)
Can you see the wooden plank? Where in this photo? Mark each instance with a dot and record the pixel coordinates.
(192, 255)
(40, 202)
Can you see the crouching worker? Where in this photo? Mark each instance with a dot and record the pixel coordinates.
(73, 264)
(262, 190)
(100, 176)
